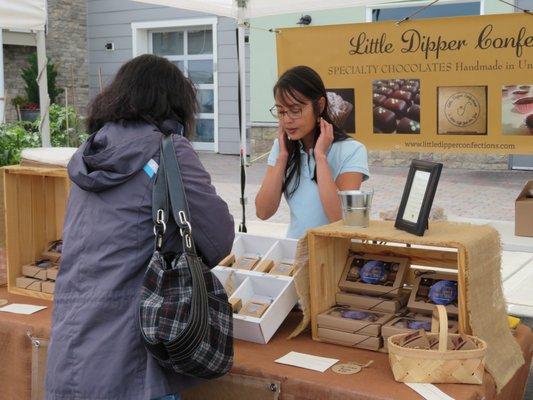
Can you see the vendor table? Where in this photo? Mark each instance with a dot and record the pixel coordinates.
(255, 367)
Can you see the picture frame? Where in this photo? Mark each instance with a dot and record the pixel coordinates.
(418, 195)
(349, 282)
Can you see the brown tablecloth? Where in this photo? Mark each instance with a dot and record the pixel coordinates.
(252, 359)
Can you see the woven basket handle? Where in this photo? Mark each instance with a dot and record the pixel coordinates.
(439, 324)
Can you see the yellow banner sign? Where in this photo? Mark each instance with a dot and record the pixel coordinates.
(452, 84)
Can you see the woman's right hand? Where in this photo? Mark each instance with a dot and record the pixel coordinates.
(282, 141)
(269, 195)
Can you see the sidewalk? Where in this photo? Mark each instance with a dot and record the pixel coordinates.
(487, 195)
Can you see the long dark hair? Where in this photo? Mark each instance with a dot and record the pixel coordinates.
(303, 84)
(147, 88)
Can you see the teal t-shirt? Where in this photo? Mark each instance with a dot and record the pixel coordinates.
(305, 205)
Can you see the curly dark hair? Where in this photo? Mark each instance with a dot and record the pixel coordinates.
(147, 88)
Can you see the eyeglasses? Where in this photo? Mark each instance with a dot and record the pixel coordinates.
(292, 114)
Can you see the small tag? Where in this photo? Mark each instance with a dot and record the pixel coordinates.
(151, 168)
(346, 369)
(350, 367)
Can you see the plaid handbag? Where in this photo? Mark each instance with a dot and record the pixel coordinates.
(185, 318)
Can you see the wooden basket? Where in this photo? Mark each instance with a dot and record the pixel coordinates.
(437, 366)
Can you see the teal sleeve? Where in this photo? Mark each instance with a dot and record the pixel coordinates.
(353, 158)
(273, 156)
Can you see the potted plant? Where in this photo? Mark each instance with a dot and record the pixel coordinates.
(29, 109)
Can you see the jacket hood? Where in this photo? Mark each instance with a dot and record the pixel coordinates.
(117, 152)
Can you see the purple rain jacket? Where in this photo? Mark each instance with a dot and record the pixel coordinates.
(95, 351)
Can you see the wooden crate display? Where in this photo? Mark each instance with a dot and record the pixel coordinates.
(328, 250)
(35, 202)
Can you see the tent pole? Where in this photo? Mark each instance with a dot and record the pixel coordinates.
(2, 87)
(242, 87)
(42, 80)
(242, 120)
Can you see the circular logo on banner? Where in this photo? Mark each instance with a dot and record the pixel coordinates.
(462, 109)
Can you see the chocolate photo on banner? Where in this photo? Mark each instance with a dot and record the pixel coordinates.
(462, 110)
(396, 106)
(342, 108)
(517, 109)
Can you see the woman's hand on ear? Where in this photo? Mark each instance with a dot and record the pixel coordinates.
(282, 141)
(325, 139)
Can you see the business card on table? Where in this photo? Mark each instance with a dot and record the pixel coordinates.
(429, 391)
(25, 309)
(307, 361)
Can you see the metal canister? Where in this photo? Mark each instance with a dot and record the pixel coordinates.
(356, 206)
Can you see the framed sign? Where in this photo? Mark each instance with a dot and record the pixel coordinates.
(417, 197)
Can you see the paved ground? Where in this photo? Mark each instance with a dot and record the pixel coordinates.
(462, 193)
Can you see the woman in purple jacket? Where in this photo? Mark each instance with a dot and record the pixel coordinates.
(96, 351)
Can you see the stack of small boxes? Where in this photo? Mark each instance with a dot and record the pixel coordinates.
(421, 305)
(371, 295)
(40, 275)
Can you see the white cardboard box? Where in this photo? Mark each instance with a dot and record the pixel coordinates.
(252, 285)
(283, 250)
(270, 249)
(252, 244)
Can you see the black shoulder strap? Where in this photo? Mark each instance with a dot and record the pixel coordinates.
(169, 193)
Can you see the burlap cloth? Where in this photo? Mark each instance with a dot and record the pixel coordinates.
(485, 302)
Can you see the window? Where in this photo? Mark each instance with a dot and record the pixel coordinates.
(191, 49)
(455, 9)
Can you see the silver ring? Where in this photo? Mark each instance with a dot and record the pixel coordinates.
(182, 217)
(164, 227)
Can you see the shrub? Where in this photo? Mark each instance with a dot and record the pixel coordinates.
(20, 135)
(29, 74)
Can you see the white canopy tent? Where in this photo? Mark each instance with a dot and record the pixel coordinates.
(28, 15)
(242, 10)
(245, 9)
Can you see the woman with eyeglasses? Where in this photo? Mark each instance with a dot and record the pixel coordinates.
(311, 158)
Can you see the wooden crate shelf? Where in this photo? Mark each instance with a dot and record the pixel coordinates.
(35, 203)
(329, 247)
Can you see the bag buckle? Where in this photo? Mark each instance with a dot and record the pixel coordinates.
(183, 221)
(160, 227)
(185, 233)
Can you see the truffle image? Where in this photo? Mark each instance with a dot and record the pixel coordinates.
(407, 125)
(398, 107)
(517, 109)
(341, 108)
(378, 99)
(529, 123)
(396, 104)
(413, 112)
(524, 105)
(518, 94)
(384, 120)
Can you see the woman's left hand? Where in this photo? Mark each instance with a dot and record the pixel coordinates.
(325, 139)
